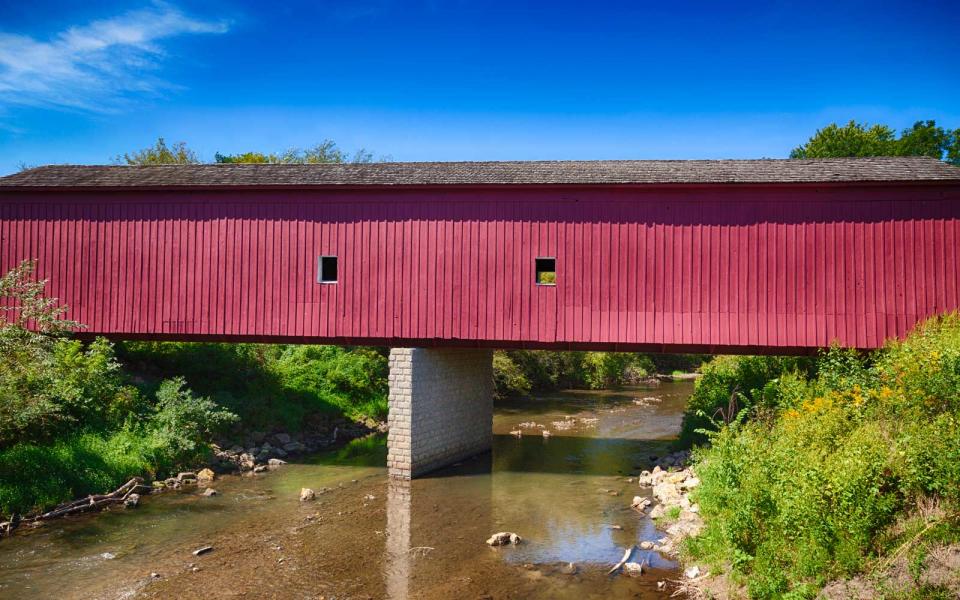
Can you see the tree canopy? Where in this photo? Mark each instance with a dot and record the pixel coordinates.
(160, 154)
(326, 151)
(854, 139)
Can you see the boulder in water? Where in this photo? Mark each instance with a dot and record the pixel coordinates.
(504, 538)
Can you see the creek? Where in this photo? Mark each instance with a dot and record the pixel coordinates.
(568, 495)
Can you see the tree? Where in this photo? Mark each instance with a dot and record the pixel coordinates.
(160, 154)
(326, 151)
(925, 138)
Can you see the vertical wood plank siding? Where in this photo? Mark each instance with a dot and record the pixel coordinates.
(750, 268)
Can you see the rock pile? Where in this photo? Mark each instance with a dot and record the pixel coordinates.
(269, 450)
(678, 516)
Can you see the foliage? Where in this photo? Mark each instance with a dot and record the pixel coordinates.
(326, 151)
(270, 385)
(731, 384)
(520, 372)
(810, 489)
(160, 154)
(184, 421)
(854, 139)
(351, 381)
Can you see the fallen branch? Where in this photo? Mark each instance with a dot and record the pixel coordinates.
(94, 501)
(623, 561)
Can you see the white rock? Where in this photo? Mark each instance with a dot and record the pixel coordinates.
(632, 569)
(692, 572)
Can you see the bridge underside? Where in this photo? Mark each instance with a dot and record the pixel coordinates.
(656, 348)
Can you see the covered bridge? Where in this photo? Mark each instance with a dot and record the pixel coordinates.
(675, 256)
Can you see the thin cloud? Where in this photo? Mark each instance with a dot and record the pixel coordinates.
(96, 67)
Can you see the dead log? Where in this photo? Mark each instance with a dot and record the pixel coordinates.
(91, 502)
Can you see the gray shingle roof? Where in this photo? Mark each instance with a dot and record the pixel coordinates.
(595, 172)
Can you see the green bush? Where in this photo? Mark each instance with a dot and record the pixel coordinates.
(731, 384)
(809, 487)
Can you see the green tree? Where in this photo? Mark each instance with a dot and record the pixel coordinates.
(854, 139)
(160, 154)
(326, 151)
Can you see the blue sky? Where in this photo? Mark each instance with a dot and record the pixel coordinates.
(471, 80)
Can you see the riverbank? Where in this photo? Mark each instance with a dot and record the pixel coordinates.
(834, 475)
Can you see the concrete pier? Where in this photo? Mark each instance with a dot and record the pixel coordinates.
(441, 408)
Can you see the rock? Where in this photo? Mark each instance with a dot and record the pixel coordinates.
(257, 436)
(661, 585)
(657, 511)
(108, 556)
(259, 468)
(172, 482)
(692, 572)
(206, 475)
(158, 485)
(293, 447)
(690, 483)
(276, 462)
(369, 497)
(282, 438)
(202, 550)
(517, 433)
(640, 503)
(646, 545)
(633, 569)
(615, 527)
(131, 501)
(209, 492)
(546, 433)
(280, 452)
(306, 495)
(187, 477)
(504, 538)
(569, 569)
(155, 575)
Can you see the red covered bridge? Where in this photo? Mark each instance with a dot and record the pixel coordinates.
(713, 256)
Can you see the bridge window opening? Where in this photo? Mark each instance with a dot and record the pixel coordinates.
(328, 269)
(546, 271)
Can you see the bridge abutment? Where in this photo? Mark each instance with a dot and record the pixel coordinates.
(441, 408)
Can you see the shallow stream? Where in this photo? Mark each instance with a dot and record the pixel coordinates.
(568, 495)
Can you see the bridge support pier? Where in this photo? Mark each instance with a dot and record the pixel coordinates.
(441, 408)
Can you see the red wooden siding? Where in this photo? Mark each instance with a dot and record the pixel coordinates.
(749, 268)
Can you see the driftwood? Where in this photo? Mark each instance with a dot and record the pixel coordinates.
(623, 561)
(92, 502)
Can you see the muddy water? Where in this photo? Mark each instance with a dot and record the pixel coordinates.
(568, 495)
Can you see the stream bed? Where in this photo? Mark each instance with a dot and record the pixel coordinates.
(567, 494)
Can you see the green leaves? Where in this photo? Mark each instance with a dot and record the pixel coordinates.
(854, 139)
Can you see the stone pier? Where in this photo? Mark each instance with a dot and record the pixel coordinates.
(441, 408)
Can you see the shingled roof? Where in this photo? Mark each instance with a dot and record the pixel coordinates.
(595, 172)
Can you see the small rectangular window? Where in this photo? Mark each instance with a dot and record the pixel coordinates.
(327, 269)
(546, 271)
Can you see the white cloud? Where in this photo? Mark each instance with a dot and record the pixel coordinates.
(98, 66)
